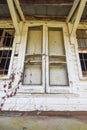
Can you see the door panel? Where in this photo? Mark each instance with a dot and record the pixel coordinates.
(34, 43)
(58, 75)
(57, 59)
(45, 61)
(33, 58)
(55, 42)
(33, 75)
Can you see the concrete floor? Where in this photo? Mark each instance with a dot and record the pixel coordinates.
(42, 123)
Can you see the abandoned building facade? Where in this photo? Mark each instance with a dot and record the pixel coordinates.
(43, 55)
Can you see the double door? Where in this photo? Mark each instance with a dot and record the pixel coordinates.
(45, 68)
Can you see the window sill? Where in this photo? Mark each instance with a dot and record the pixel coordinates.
(39, 89)
(4, 77)
(82, 78)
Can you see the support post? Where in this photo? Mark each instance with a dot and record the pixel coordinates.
(17, 3)
(13, 15)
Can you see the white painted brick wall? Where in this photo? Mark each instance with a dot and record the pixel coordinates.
(24, 101)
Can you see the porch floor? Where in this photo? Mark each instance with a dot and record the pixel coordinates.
(43, 123)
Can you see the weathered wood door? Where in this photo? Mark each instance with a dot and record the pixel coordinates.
(45, 60)
(56, 68)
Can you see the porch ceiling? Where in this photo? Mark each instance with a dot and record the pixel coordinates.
(42, 9)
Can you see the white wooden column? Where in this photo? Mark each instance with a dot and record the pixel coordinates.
(75, 4)
(78, 15)
(17, 3)
(13, 15)
(75, 15)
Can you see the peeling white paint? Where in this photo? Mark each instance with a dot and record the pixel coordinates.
(29, 98)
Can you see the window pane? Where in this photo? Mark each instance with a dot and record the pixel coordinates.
(55, 39)
(33, 57)
(6, 37)
(6, 41)
(57, 59)
(82, 44)
(32, 74)
(58, 75)
(1, 31)
(34, 44)
(4, 61)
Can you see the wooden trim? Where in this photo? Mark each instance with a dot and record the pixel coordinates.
(46, 1)
(43, 113)
(75, 4)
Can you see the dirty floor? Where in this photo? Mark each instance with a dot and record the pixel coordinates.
(42, 123)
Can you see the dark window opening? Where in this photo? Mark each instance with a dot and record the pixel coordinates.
(82, 49)
(83, 62)
(6, 38)
(6, 42)
(1, 30)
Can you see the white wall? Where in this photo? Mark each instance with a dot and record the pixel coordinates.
(72, 98)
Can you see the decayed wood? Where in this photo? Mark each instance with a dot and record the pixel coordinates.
(32, 61)
(29, 55)
(32, 55)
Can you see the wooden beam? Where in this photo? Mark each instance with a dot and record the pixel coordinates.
(46, 1)
(17, 3)
(3, 2)
(13, 15)
(78, 15)
(75, 4)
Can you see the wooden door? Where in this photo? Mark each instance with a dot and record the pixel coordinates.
(56, 66)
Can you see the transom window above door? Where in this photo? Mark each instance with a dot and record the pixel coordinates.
(45, 64)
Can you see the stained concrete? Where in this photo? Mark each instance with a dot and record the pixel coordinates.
(42, 123)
